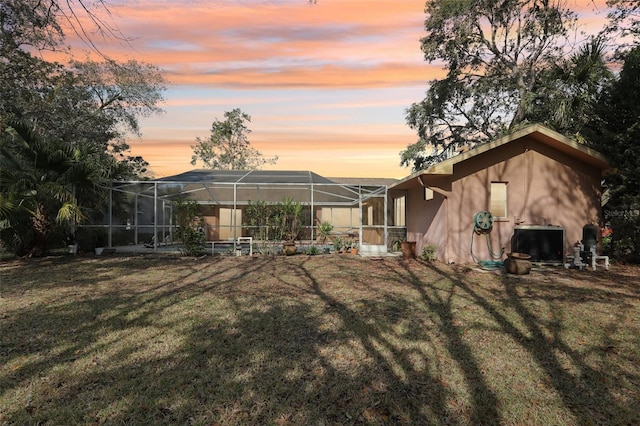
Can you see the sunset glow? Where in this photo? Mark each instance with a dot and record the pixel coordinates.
(326, 85)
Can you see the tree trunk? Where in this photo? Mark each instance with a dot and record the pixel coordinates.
(40, 230)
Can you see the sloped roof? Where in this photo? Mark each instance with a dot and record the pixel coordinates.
(225, 185)
(246, 176)
(536, 131)
(364, 181)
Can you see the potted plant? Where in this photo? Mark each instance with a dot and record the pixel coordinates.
(289, 248)
(312, 250)
(337, 244)
(346, 246)
(290, 214)
(99, 241)
(518, 263)
(354, 247)
(324, 230)
(72, 244)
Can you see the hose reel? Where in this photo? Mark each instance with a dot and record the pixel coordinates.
(482, 222)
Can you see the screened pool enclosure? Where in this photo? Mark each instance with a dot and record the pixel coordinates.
(143, 211)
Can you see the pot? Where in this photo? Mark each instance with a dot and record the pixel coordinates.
(408, 249)
(289, 249)
(517, 263)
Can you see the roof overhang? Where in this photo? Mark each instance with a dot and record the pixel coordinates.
(537, 132)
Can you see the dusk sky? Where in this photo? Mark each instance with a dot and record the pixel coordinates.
(326, 85)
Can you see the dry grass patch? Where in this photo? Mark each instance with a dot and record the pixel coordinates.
(314, 340)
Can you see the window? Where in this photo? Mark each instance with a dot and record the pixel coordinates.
(342, 218)
(498, 203)
(399, 211)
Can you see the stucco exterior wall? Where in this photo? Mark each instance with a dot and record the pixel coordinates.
(426, 222)
(544, 187)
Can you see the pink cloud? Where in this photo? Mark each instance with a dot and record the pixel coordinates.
(238, 53)
(213, 42)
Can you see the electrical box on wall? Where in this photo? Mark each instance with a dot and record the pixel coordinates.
(545, 244)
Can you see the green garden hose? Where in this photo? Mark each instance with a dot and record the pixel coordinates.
(487, 264)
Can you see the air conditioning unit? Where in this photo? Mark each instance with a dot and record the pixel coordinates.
(545, 244)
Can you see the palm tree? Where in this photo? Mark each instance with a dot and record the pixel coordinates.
(40, 180)
(568, 94)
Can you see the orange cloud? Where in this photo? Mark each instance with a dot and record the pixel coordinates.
(337, 156)
(334, 43)
(329, 76)
(326, 84)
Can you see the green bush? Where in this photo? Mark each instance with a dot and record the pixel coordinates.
(189, 231)
(192, 240)
(337, 244)
(429, 253)
(324, 231)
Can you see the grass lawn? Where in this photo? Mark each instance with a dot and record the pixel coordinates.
(306, 340)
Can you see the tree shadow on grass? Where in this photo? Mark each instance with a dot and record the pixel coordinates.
(439, 300)
(74, 309)
(585, 390)
(223, 348)
(286, 341)
(394, 361)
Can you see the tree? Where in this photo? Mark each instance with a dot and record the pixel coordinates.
(42, 182)
(228, 147)
(95, 103)
(28, 23)
(62, 129)
(568, 92)
(624, 20)
(85, 102)
(494, 53)
(189, 231)
(109, 99)
(615, 132)
(40, 24)
(122, 91)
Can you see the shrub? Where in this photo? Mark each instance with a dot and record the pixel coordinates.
(189, 231)
(324, 230)
(337, 244)
(429, 253)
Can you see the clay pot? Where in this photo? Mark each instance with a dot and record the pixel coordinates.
(517, 263)
(289, 249)
(408, 249)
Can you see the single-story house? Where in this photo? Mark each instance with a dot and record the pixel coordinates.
(356, 208)
(539, 187)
